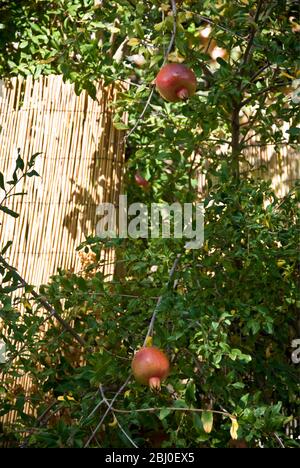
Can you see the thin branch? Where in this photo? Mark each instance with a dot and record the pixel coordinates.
(263, 145)
(235, 140)
(174, 10)
(95, 409)
(218, 26)
(41, 421)
(171, 408)
(259, 93)
(171, 43)
(44, 303)
(208, 74)
(115, 355)
(256, 75)
(119, 425)
(285, 198)
(109, 408)
(151, 325)
(236, 144)
(9, 192)
(279, 440)
(125, 433)
(141, 116)
(249, 47)
(97, 442)
(191, 170)
(238, 104)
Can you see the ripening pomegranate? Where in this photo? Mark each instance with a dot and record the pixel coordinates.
(140, 180)
(150, 366)
(176, 82)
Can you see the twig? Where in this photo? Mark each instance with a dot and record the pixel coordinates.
(190, 174)
(151, 325)
(285, 198)
(141, 116)
(259, 93)
(219, 26)
(208, 74)
(44, 303)
(8, 193)
(97, 442)
(248, 51)
(263, 145)
(40, 423)
(95, 409)
(256, 75)
(125, 433)
(119, 425)
(171, 408)
(171, 43)
(174, 9)
(279, 440)
(107, 411)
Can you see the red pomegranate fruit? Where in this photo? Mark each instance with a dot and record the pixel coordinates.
(150, 366)
(176, 82)
(140, 180)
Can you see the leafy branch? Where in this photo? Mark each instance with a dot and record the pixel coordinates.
(27, 171)
(170, 46)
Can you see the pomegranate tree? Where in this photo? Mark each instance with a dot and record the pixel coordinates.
(150, 366)
(176, 82)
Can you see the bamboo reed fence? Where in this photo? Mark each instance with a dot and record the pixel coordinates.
(80, 166)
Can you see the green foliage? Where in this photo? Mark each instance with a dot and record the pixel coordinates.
(228, 324)
(9, 282)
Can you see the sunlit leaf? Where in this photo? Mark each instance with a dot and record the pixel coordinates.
(207, 419)
(234, 428)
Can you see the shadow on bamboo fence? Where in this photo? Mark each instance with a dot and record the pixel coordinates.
(81, 165)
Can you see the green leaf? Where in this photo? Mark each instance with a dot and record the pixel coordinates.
(218, 358)
(19, 163)
(32, 174)
(32, 159)
(164, 412)
(190, 393)
(2, 184)
(238, 385)
(6, 247)
(23, 44)
(7, 277)
(294, 131)
(197, 422)
(139, 29)
(120, 126)
(254, 326)
(9, 212)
